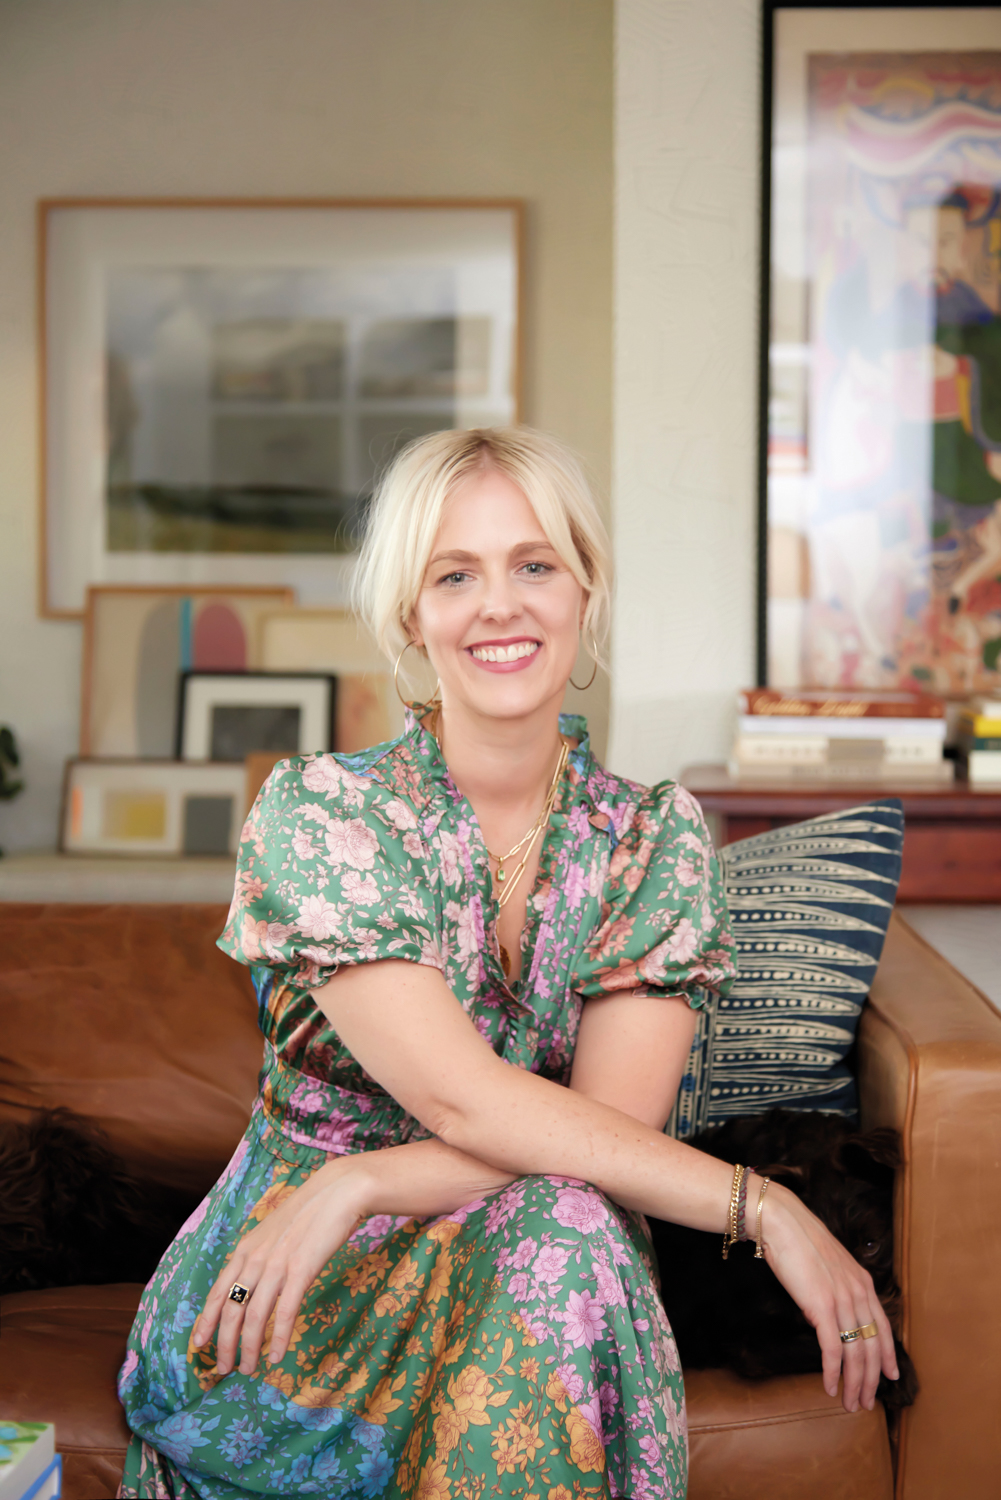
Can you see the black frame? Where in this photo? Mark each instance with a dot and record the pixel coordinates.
(768, 9)
(183, 677)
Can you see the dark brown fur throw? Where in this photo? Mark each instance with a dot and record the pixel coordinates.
(71, 1213)
(734, 1314)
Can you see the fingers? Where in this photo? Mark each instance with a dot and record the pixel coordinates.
(297, 1282)
(205, 1323)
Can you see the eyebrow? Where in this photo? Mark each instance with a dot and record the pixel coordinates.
(469, 557)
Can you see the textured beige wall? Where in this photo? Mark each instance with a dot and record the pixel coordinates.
(509, 98)
(683, 493)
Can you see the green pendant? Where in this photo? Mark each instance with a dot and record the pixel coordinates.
(500, 874)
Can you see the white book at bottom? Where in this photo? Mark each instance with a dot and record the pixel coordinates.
(27, 1450)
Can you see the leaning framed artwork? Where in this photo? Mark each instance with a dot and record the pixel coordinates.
(222, 381)
(880, 471)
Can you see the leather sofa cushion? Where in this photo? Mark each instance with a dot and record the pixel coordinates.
(60, 1355)
(772, 1440)
(131, 1016)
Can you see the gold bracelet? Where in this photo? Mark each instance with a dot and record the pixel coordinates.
(730, 1233)
(759, 1249)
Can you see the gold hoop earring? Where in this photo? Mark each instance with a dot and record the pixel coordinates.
(582, 687)
(436, 695)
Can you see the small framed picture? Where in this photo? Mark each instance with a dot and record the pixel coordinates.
(152, 807)
(226, 716)
(137, 642)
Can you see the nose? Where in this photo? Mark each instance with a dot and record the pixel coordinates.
(500, 599)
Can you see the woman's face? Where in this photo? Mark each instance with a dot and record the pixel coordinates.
(499, 612)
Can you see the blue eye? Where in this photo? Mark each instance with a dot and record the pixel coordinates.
(537, 569)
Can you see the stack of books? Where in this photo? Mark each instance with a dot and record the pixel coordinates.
(979, 741)
(30, 1467)
(850, 735)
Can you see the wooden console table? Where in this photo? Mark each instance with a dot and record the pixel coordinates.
(952, 835)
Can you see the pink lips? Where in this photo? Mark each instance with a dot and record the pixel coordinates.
(517, 665)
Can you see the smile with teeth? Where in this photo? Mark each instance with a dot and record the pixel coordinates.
(505, 653)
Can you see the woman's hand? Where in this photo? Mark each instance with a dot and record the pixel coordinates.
(833, 1290)
(279, 1260)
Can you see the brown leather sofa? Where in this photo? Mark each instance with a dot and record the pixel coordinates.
(130, 1015)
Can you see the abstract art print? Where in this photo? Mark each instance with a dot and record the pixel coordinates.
(149, 807)
(883, 415)
(138, 642)
(223, 382)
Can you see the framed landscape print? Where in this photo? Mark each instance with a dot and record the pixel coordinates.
(223, 381)
(881, 368)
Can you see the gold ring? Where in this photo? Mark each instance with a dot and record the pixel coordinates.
(849, 1335)
(870, 1331)
(238, 1293)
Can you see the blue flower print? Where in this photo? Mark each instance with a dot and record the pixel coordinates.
(375, 1472)
(243, 1442)
(326, 1466)
(314, 1418)
(300, 1469)
(177, 1369)
(269, 1396)
(184, 1315)
(179, 1435)
(367, 1433)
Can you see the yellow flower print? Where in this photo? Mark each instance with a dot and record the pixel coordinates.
(585, 1445)
(557, 1391)
(516, 1442)
(413, 1347)
(432, 1482)
(559, 1492)
(443, 1233)
(528, 1369)
(448, 1427)
(275, 1195)
(281, 1380)
(381, 1402)
(470, 1390)
(371, 1269)
(405, 1275)
(441, 1272)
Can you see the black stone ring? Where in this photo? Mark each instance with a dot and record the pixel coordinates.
(238, 1293)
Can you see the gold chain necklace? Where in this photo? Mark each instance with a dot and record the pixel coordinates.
(527, 841)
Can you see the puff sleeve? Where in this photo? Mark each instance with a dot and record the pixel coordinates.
(332, 870)
(664, 927)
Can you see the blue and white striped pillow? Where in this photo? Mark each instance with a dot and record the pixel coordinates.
(810, 905)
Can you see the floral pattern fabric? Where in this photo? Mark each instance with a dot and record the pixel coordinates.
(516, 1347)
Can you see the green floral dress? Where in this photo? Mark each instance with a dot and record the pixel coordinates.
(518, 1346)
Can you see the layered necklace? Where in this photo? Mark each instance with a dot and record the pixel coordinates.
(509, 882)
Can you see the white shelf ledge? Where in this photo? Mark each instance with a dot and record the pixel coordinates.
(46, 876)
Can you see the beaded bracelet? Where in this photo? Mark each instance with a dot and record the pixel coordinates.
(742, 1233)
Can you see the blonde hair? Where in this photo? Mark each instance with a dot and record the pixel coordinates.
(407, 508)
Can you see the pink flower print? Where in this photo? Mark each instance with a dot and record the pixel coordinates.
(643, 1324)
(235, 1160)
(366, 946)
(518, 1286)
(361, 890)
(450, 853)
(253, 934)
(414, 845)
(583, 1320)
(303, 845)
(609, 1287)
(248, 888)
(572, 1380)
(411, 904)
(650, 1450)
(276, 934)
(318, 918)
(317, 956)
(378, 1226)
(322, 775)
(314, 813)
(335, 1135)
(431, 954)
(683, 941)
(609, 1397)
(550, 1263)
(686, 805)
(576, 1208)
(400, 815)
(521, 1257)
(686, 871)
(308, 1100)
(575, 886)
(466, 932)
(351, 842)
(124, 1375)
(590, 1410)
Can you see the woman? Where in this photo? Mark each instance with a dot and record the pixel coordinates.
(477, 954)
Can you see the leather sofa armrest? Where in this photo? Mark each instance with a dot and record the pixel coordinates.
(930, 1066)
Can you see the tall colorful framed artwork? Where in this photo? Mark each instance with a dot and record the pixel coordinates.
(880, 474)
(223, 380)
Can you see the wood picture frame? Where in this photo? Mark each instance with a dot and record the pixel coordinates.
(222, 379)
(879, 477)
